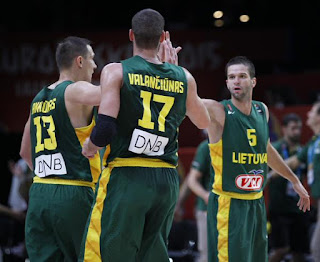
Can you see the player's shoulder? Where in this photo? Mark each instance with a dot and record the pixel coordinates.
(114, 68)
(260, 103)
(185, 70)
(261, 106)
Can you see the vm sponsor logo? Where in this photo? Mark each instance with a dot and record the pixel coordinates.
(250, 182)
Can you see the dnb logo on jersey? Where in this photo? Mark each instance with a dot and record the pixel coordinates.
(250, 182)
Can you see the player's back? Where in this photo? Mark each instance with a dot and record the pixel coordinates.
(56, 144)
(153, 105)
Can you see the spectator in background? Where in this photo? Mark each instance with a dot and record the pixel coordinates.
(289, 226)
(12, 216)
(199, 177)
(182, 237)
(310, 155)
(184, 193)
(19, 172)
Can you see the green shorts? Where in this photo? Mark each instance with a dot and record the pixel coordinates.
(237, 230)
(56, 219)
(132, 215)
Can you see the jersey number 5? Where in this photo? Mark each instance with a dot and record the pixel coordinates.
(146, 122)
(47, 143)
(252, 137)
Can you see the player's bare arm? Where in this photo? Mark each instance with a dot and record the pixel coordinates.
(196, 110)
(111, 82)
(193, 182)
(25, 148)
(217, 118)
(293, 162)
(276, 162)
(80, 97)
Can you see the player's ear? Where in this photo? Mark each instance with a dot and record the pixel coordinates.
(131, 35)
(163, 36)
(79, 61)
(254, 81)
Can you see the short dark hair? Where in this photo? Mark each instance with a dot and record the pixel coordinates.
(69, 48)
(244, 61)
(147, 26)
(291, 117)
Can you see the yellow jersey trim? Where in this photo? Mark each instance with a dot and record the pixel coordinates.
(249, 196)
(58, 181)
(139, 162)
(95, 162)
(216, 154)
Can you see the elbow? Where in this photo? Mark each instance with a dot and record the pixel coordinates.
(26, 157)
(203, 126)
(104, 131)
(190, 181)
(23, 154)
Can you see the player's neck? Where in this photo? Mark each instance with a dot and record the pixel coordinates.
(148, 55)
(243, 105)
(62, 77)
(65, 76)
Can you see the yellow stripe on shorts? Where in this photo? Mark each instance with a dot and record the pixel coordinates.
(92, 245)
(223, 228)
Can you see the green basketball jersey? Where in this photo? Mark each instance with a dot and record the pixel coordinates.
(240, 157)
(153, 105)
(56, 144)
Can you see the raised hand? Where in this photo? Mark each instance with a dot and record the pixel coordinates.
(168, 53)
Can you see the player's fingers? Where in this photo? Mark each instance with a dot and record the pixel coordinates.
(307, 206)
(167, 35)
(304, 204)
(166, 51)
(299, 202)
(161, 51)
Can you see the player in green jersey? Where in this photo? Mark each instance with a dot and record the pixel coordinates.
(240, 151)
(142, 106)
(61, 117)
